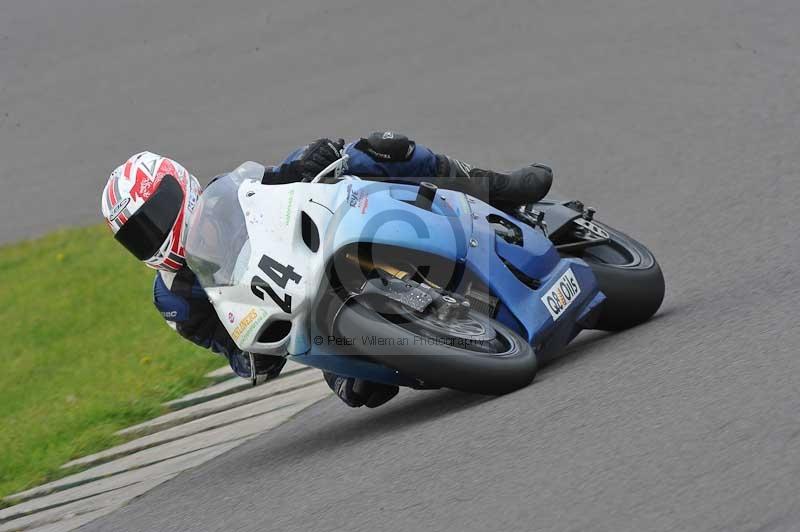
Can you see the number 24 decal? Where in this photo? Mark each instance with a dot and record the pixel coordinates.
(281, 275)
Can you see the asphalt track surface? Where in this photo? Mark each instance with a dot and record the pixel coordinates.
(678, 120)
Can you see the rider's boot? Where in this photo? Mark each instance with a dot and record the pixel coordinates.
(358, 392)
(504, 191)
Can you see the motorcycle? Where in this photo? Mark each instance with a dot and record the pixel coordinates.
(408, 284)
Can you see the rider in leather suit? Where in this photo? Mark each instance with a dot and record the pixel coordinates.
(383, 155)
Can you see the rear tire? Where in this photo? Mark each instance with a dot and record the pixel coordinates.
(478, 355)
(629, 276)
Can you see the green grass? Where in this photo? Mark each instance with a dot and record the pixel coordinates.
(83, 352)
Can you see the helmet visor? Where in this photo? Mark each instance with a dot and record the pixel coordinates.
(148, 228)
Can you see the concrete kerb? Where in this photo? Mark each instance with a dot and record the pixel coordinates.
(205, 440)
(227, 386)
(221, 404)
(213, 421)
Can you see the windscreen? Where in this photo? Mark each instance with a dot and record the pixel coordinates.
(217, 245)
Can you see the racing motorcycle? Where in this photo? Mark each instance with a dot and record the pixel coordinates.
(408, 284)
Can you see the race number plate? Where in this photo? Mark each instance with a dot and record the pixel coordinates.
(561, 295)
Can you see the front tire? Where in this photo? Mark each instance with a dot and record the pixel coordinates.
(629, 276)
(477, 355)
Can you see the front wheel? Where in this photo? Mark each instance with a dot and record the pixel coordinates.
(629, 276)
(473, 354)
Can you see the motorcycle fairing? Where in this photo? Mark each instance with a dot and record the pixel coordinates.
(521, 306)
(349, 212)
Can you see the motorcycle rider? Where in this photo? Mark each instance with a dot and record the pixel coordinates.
(148, 200)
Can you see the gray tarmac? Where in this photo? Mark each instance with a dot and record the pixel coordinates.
(678, 120)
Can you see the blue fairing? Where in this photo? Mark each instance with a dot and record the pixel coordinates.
(539, 260)
(456, 228)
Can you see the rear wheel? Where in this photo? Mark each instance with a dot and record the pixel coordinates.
(473, 353)
(628, 275)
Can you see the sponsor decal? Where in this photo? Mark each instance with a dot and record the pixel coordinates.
(377, 154)
(288, 214)
(387, 135)
(357, 199)
(192, 198)
(118, 208)
(561, 295)
(170, 315)
(352, 196)
(247, 325)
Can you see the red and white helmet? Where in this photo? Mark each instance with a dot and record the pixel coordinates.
(147, 202)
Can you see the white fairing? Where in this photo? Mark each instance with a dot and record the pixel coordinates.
(272, 214)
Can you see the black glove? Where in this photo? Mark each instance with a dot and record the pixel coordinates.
(315, 158)
(358, 392)
(318, 155)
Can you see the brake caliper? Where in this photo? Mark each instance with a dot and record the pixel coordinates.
(407, 293)
(418, 296)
